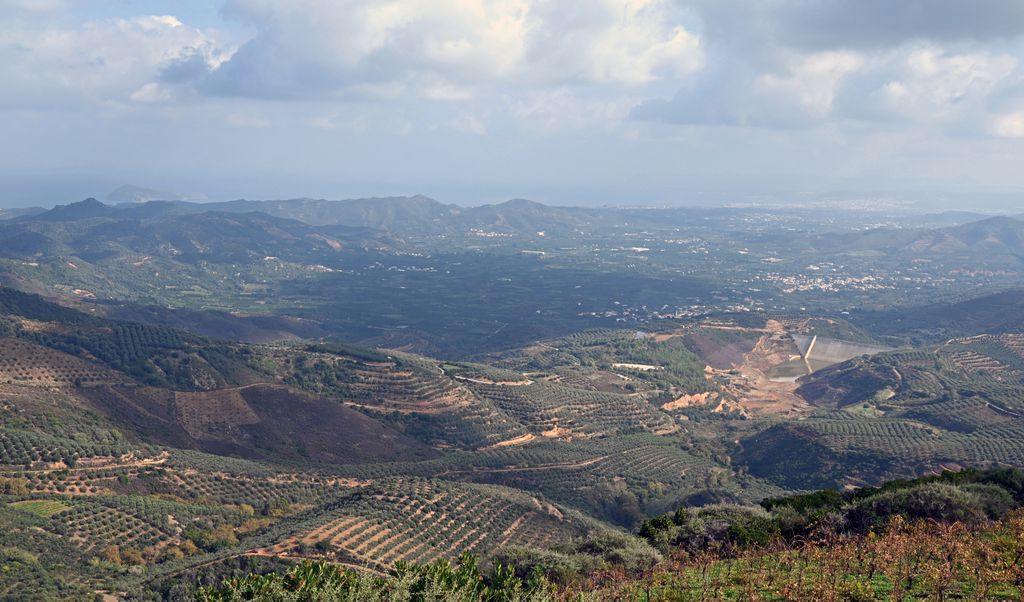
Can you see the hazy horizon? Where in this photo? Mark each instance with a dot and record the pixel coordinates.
(997, 204)
(646, 102)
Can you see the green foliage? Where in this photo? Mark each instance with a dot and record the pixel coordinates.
(13, 486)
(360, 353)
(826, 499)
(967, 497)
(930, 501)
(677, 365)
(43, 508)
(440, 580)
(34, 307)
(716, 527)
(566, 562)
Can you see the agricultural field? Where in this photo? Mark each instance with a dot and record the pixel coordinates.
(25, 362)
(420, 521)
(42, 508)
(142, 453)
(554, 410)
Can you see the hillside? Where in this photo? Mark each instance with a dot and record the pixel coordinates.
(89, 251)
(136, 452)
(416, 216)
(259, 422)
(988, 314)
(956, 535)
(894, 413)
(207, 389)
(1003, 235)
(94, 231)
(137, 194)
(979, 237)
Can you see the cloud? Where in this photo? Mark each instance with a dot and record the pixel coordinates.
(115, 60)
(813, 25)
(444, 50)
(928, 84)
(445, 91)
(31, 6)
(578, 91)
(917, 84)
(151, 92)
(624, 42)
(801, 94)
(510, 56)
(1010, 125)
(882, 23)
(808, 63)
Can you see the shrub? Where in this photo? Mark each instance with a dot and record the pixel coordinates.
(13, 486)
(995, 501)
(935, 501)
(9, 555)
(559, 567)
(111, 554)
(711, 527)
(440, 580)
(570, 561)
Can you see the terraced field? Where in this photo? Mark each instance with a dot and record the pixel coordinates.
(202, 413)
(421, 520)
(232, 488)
(970, 360)
(553, 410)
(197, 455)
(406, 390)
(93, 525)
(395, 382)
(596, 475)
(29, 363)
(35, 449)
(913, 443)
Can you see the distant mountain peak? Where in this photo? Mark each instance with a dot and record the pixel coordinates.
(137, 194)
(81, 207)
(522, 203)
(84, 209)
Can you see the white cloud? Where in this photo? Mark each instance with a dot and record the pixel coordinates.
(446, 91)
(101, 61)
(566, 64)
(1010, 125)
(930, 84)
(772, 67)
(151, 92)
(812, 81)
(642, 45)
(446, 48)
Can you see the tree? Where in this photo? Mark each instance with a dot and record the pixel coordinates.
(13, 486)
(111, 554)
(188, 548)
(133, 557)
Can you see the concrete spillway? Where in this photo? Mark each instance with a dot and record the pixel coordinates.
(819, 352)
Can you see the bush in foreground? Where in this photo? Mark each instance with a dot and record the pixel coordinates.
(439, 581)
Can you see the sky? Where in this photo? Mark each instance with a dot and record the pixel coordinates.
(583, 102)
